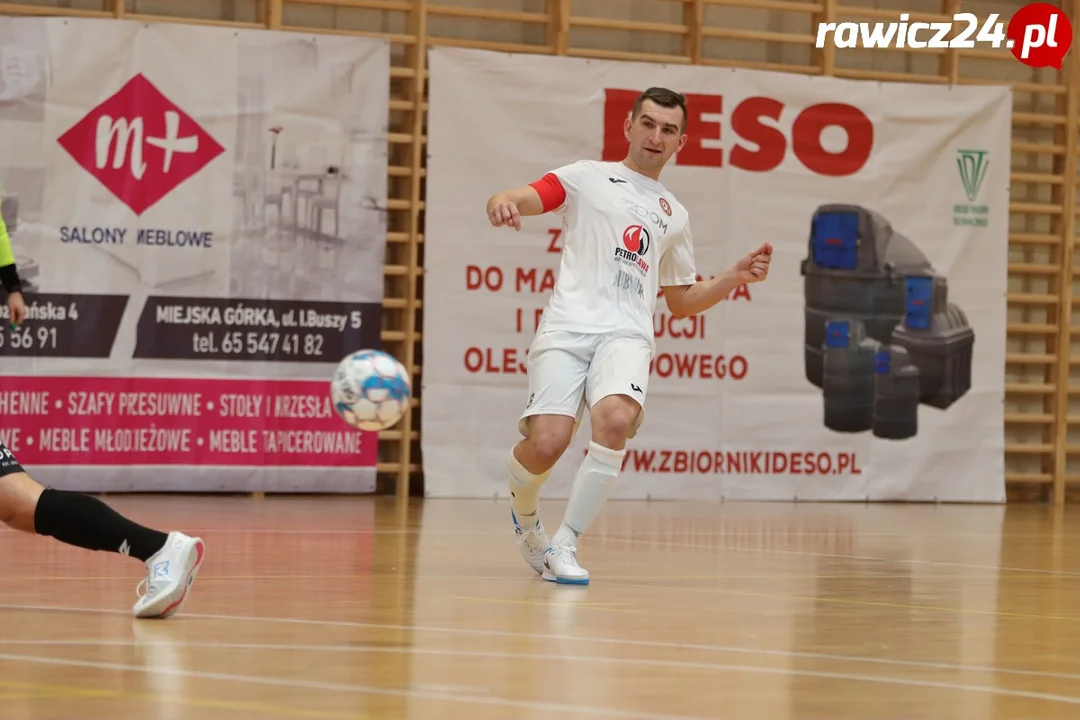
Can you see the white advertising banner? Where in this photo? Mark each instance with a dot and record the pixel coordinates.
(869, 366)
(199, 217)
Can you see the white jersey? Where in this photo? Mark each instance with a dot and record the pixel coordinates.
(624, 237)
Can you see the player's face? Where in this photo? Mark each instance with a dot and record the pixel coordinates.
(655, 135)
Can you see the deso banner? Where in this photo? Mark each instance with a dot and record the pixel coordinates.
(868, 366)
(202, 238)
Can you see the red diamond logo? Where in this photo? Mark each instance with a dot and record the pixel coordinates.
(139, 144)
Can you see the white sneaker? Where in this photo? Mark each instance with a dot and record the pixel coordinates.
(172, 572)
(532, 541)
(560, 566)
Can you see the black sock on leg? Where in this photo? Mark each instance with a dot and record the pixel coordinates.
(86, 522)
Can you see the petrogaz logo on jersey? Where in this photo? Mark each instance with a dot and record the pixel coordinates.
(139, 144)
(636, 241)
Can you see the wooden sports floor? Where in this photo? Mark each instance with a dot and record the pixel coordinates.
(352, 608)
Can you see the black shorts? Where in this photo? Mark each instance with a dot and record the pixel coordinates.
(8, 464)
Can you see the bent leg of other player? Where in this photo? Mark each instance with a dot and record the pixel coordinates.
(85, 522)
(619, 373)
(558, 366)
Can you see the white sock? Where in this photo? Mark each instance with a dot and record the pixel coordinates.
(592, 487)
(525, 491)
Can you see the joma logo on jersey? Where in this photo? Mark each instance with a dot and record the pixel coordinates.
(636, 241)
(139, 144)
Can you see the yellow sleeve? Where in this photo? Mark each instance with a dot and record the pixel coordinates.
(7, 257)
(9, 274)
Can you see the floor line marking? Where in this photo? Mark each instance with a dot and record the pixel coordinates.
(592, 639)
(350, 688)
(554, 657)
(44, 691)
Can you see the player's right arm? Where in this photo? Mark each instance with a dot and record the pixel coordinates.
(548, 194)
(509, 206)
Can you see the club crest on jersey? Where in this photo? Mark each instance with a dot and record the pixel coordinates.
(635, 244)
(665, 207)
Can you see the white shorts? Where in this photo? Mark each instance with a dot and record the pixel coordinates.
(569, 371)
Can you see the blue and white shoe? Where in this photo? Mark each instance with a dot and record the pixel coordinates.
(172, 572)
(533, 542)
(561, 566)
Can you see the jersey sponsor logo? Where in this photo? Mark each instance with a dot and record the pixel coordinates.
(636, 239)
(665, 206)
(614, 180)
(643, 213)
(626, 281)
(635, 244)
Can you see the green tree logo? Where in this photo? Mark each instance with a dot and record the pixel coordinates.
(973, 165)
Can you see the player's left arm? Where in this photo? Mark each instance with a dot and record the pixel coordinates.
(9, 276)
(687, 296)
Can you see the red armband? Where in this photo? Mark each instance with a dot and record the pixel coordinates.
(551, 191)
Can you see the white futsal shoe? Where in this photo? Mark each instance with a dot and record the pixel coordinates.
(561, 566)
(532, 541)
(172, 572)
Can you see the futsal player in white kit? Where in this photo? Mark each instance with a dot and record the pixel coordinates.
(626, 238)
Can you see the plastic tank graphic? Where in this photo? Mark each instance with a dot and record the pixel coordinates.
(848, 391)
(939, 340)
(860, 271)
(896, 395)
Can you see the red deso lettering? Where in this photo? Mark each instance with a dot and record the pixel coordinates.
(760, 144)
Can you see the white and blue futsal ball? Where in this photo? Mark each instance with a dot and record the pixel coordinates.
(370, 390)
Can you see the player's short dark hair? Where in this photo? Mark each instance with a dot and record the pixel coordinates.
(662, 97)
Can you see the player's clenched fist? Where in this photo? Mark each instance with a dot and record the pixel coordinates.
(754, 266)
(505, 213)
